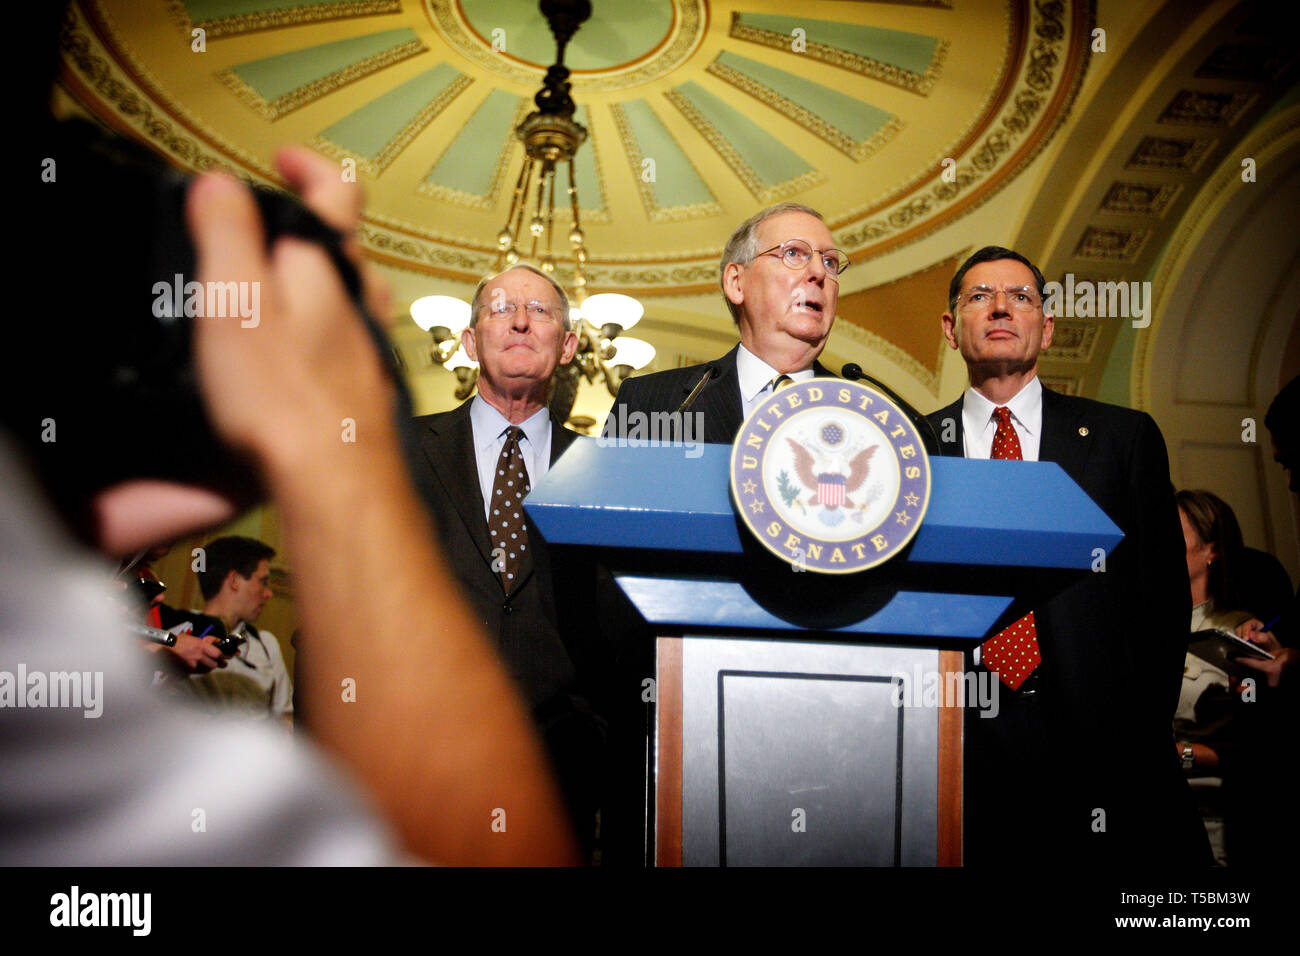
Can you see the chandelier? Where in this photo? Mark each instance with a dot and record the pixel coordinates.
(550, 137)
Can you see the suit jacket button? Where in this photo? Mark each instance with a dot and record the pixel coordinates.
(507, 608)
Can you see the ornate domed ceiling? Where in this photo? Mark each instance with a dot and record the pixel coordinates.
(893, 118)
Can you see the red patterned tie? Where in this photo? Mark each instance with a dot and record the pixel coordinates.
(1013, 652)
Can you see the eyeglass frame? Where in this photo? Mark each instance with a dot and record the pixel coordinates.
(835, 274)
(551, 314)
(963, 299)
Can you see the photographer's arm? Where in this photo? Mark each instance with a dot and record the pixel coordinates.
(435, 728)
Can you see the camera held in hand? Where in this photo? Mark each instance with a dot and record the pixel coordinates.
(114, 298)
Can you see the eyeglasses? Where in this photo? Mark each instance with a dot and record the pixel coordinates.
(1021, 298)
(535, 309)
(796, 254)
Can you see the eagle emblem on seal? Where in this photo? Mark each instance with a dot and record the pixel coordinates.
(830, 489)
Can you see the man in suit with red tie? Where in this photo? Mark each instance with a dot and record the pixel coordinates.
(479, 462)
(780, 279)
(1078, 766)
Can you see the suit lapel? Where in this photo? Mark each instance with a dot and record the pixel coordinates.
(449, 448)
(1061, 441)
(561, 439)
(955, 448)
(719, 402)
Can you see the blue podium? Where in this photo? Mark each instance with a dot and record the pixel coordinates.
(802, 719)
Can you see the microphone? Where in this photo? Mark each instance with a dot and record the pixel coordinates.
(709, 375)
(154, 634)
(853, 372)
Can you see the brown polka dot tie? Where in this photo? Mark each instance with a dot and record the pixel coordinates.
(506, 512)
(1012, 653)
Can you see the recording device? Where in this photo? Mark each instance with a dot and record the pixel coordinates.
(107, 321)
(155, 635)
(853, 372)
(229, 643)
(205, 625)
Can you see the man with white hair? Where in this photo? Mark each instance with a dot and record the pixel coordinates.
(780, 279)
(479, 462)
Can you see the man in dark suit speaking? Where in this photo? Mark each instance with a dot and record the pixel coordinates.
(479, 462)
(1079, 764)
(780, 278)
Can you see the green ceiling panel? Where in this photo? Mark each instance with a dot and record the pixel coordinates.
(584, 168)
(276, 76)
(854, 118)
(368, 130)
(771, 161)
(675, 181)
(909, 51)
(467, 164)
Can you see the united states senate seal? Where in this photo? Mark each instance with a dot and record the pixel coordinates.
(830, 476)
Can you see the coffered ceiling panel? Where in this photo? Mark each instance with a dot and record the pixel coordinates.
(893, 118)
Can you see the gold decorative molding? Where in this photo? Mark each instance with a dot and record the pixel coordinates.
(919, 83)
(731, 156)
(301, 96)
(649, 200)
(89, 73)
(1205, 108)
(1109, 244)
(806, 118)
(393, 148)
(285, 17)
(1073, 341)
(1277, 133)
(418, 251)
(1162, 152)
(413, 253)
(1147, 199)
(1051, 71)
(129, 97)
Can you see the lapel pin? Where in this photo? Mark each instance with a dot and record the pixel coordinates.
(1083, 431)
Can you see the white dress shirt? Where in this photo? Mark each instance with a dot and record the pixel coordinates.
(489, 427)
(756, 378)
(978, 425)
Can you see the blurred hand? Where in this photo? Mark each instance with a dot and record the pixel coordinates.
(281, 388)
(1283, 657)
(197, 654)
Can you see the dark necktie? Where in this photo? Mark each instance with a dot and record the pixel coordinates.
(506, 513)
(1013, 652)
(779, 383)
